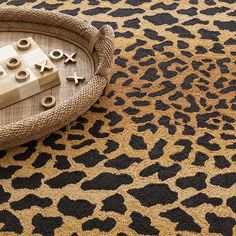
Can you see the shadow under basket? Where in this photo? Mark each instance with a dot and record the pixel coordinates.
(26, 120)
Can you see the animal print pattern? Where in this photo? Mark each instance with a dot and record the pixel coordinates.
(157, 154)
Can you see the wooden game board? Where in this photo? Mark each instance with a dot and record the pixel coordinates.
(12, 91)
(31, 106)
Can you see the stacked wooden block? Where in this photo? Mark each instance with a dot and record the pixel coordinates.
(25, 70)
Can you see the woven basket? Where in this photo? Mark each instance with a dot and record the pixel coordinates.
(99, 43)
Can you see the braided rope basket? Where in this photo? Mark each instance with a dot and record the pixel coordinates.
(99, 43)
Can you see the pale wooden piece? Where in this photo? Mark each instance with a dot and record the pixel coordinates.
(7, 52)
(75, 78)
(13, 63)
(22, 76)
(48, 102)
(44, 66)
(56, 55)
(30, 87)
(31, 106)
(70, 58)
(24, 44)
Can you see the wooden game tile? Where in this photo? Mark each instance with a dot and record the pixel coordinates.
(34, 45)
(48, 79)
(29, 87)
(6, 84)
(33, 57)
(49, 83)
(11, 72)
(13, 96)
(7, 52)
(2, 72)
(8, 92)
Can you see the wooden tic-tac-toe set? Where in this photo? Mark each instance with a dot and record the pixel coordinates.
(25, 70)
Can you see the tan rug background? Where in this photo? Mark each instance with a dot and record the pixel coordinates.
(156, 154)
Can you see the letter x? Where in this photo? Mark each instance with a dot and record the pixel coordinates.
(75, 78)
(70, 58)
(44, 66)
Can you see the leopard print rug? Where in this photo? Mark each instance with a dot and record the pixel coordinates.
(157, 154)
